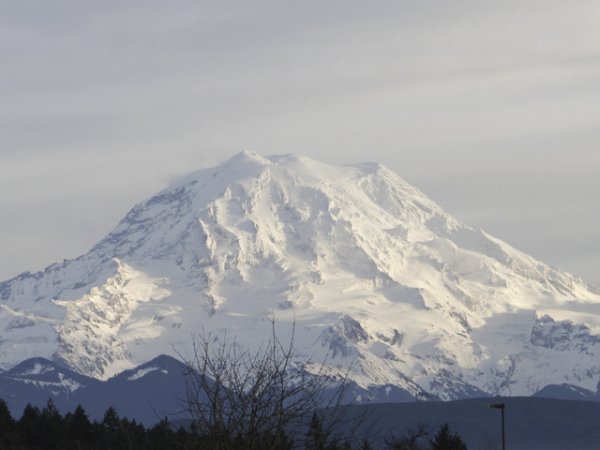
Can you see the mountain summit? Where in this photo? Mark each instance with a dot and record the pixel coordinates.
(370, 271)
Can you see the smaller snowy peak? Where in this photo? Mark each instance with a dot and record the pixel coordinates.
(33, 366)
(567, 392)
(161, 366)
(48, 375)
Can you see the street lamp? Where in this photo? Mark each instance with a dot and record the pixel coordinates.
(500, 406)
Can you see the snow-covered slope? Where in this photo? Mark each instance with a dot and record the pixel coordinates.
(372, 272)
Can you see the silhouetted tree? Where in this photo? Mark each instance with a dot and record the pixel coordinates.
(52, 427)
(240, 399)
(111, 429)
(79, 427)
(316, 438)
(445, 440)
(7, 426)
(417, 439)
(414, 439)
(162, 437)
(366, 445)
(29, 429)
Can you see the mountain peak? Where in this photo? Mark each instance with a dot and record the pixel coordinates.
(246, 157)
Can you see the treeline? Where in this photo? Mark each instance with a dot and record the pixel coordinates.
(48, 429)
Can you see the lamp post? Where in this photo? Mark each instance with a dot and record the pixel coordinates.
(500, 406)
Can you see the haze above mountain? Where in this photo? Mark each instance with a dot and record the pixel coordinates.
(373, 274)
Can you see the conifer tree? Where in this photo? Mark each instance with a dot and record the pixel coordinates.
(316, 439)
(160, 436)
(52, 427)
(79, 427)
(28, 427)
(445, 440)
(111, 424)
(7, 426)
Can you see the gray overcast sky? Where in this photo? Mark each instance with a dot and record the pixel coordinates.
(491, 108)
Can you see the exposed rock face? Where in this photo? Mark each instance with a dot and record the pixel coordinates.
(562, 335)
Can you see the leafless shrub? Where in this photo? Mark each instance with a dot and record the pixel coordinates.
(263, 399)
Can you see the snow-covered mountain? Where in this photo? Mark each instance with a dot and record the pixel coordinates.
(372, 273)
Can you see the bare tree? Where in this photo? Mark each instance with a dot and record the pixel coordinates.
(263, 399)
(418, 439)
(413, 439)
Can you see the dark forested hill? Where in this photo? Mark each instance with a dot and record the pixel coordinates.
(531, 423)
